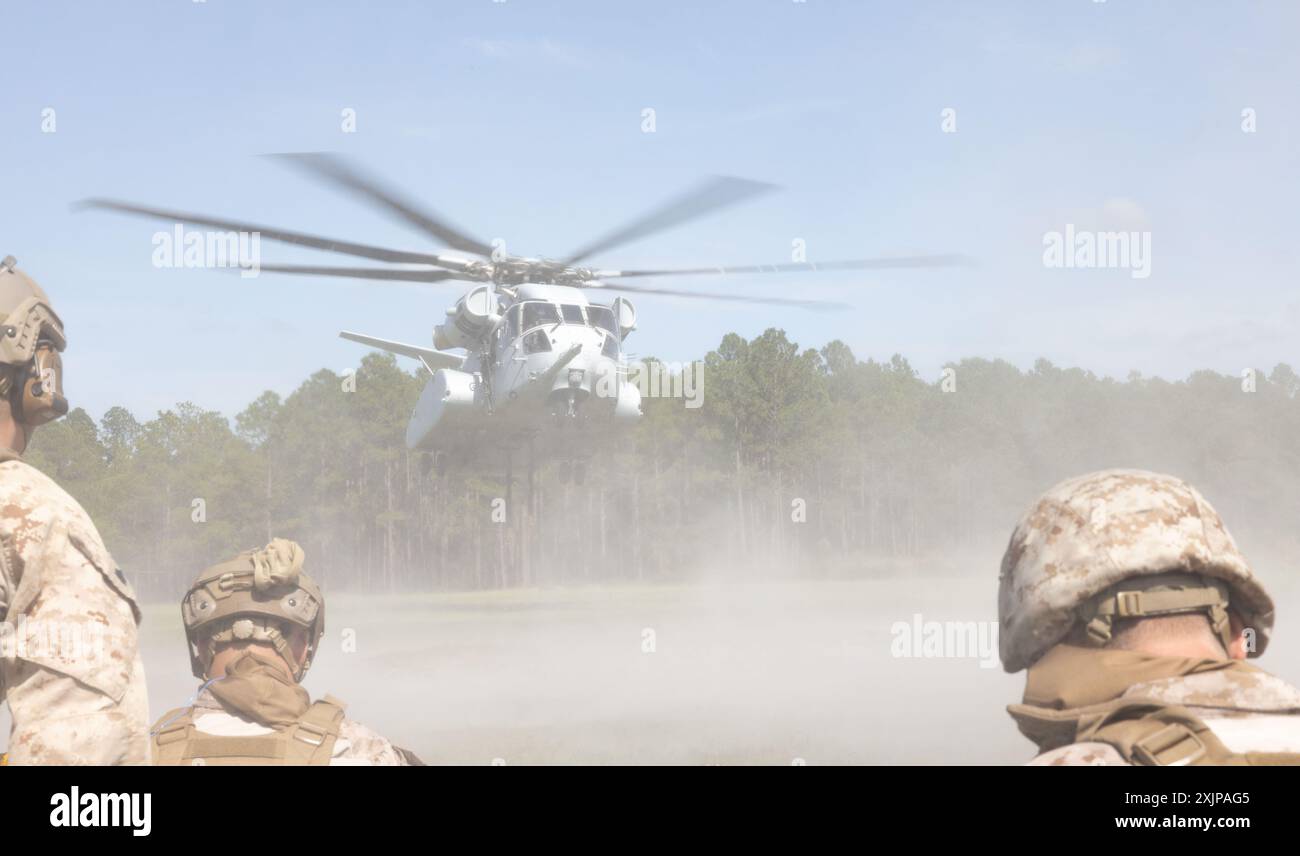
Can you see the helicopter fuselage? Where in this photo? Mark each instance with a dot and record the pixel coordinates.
(544, 366)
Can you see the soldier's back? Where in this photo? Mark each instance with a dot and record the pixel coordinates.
(1233, 716)
(75, 684)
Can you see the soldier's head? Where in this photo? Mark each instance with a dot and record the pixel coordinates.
(259, 602)
(31, 368)
(1128, 559)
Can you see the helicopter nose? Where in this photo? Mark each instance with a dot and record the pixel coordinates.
(593, 373)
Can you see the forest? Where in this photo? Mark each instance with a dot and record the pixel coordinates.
(801, 462)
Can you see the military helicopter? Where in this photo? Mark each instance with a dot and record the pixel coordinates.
(543, 367)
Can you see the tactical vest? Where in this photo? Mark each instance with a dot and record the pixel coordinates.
(307, 742)
(1199, 720)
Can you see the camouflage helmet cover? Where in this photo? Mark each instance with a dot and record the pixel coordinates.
(1090, 533)
(252, 597)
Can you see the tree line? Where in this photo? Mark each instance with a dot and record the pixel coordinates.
(800, 462)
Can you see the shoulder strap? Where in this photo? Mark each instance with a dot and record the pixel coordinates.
(171, 735)
(1145, 732)
(1150, 733)
(311, 739)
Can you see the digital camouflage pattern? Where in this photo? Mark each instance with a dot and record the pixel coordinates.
(1255, 691)
(1080, 755)
(367, 747)
(71, 668)
(1247, 711)
(1089, 533)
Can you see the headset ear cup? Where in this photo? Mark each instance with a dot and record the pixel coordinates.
(40, 398)
(36, 405)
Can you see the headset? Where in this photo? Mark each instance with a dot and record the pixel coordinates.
(31, 339)
(37, 398)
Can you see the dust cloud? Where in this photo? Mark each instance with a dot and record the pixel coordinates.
(709, 673)
(770, 673)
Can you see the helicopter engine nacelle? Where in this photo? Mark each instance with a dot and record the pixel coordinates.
(468, 321)
(624, 316)
(448, 399)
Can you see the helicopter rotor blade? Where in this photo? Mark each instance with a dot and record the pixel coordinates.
(939, 261)
(366, 273)
(286, 236)
(711, 195)
(338, 172)
(818, 305)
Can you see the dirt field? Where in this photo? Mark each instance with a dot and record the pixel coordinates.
(761, 674)
(739, 674)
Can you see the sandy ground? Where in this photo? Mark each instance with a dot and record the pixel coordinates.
(739, 674)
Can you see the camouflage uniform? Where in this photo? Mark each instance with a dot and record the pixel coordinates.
(1125, 544)
(255, 713)
(1088, 754)
(74, 681)
(69, 652)
(1251, 712)
(356, 745)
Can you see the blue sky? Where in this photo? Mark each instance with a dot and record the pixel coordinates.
(522, 120)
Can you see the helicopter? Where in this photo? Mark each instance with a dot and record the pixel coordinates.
(523, 359)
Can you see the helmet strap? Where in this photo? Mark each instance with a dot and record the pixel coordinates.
(1161, 599)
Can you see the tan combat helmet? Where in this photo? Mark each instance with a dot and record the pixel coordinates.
(1121, 544)
(31, 339)
(251, 597)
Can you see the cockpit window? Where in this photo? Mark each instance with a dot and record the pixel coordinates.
(572, 314)
(610, 348)
(602, 317)
(536, 342)
(537, 313)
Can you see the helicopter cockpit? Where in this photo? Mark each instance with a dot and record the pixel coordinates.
(526, 317)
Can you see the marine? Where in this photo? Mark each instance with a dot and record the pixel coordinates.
(253, 625)
(70, 669)
(1127, 601)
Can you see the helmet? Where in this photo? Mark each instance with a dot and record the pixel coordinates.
(1153, 533)
(252, 597)
(31, 339)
